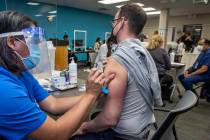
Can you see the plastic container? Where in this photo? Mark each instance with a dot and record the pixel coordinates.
(73, 72)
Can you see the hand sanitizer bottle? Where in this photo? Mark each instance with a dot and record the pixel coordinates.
(73, 72)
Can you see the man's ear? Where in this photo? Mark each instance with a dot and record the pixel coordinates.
(11, 42)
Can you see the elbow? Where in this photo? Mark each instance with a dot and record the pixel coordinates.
(111, 121)
(60, 135)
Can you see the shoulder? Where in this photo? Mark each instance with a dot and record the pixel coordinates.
(114, 67)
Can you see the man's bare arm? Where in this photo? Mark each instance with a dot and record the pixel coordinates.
(114, 100)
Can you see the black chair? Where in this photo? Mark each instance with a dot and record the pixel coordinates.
(167, 130)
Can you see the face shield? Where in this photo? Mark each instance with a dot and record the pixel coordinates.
(34, 39)
(29, 52)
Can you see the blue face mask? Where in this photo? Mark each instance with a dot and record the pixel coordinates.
(33, 59)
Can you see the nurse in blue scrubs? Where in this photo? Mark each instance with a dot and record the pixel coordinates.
(200, 70)
(23, 102)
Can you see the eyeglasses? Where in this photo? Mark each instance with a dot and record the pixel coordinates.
(113, 21)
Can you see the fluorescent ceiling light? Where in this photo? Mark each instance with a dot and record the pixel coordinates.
(33, 3)
(111, 1)
(153, 13)
(38, 15)
(140, 4)
(146, 9)
(52, 12)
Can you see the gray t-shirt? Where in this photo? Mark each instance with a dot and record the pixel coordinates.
(136, 115)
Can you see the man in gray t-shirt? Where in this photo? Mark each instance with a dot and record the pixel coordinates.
(128, 108)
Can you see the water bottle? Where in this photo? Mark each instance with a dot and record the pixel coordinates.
(172, 56)
(73, 72)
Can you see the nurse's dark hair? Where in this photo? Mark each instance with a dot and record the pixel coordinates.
(136, 17)
(12, 21)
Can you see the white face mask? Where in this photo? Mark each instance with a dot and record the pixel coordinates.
(200, 48)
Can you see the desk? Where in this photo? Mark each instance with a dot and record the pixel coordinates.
(179, 69)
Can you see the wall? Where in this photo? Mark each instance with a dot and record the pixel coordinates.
(178, 22)
(67, 20)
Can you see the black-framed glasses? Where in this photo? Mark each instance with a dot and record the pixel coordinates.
(113, 21)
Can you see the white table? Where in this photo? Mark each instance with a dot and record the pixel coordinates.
(179, 69)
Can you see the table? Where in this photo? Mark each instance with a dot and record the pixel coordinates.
(179, 69)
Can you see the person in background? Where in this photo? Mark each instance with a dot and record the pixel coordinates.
(114, 44)
(199, 48)
(156, 32)
(181, 45)
(128, 108)
(162, 62)
(200, 70)
(160, 56)
(97, 44)
(66, 37)
(104, 52)
(23, 101)
(188, 42)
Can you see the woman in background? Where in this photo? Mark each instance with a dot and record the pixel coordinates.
(97, 44)
(163, 64)
(159, 55)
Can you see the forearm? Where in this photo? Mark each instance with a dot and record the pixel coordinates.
(100, 123)
(71, 120)
(64, 104)
(197, 72)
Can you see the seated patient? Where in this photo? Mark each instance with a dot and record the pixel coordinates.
(162, 62)
(128, 110)
(159, 55)
(200, 70)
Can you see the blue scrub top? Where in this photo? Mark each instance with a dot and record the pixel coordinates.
(20, 114)
(203, 59)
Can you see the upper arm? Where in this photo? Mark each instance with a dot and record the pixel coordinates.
(20, 116)
(48, 104)
(206, 61)
(38, 91)
(205, 64)
(117, 88)
(47, 131)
